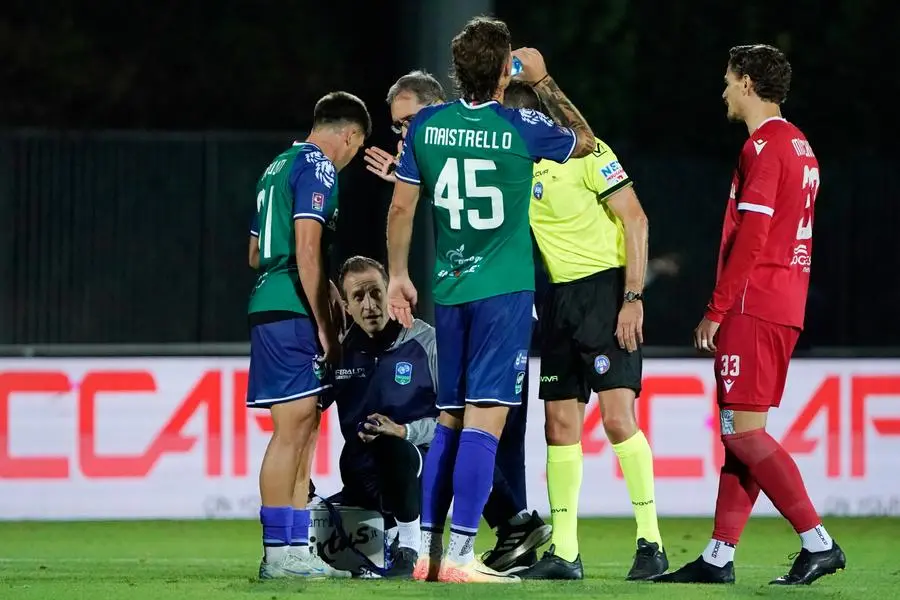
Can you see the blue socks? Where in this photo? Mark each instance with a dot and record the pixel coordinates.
(300, 527)
(437, 489)
(472, 480)
(283, 526)
(276, 530)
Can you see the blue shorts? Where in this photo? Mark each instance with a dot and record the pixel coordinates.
(284, 363)
(483, 350)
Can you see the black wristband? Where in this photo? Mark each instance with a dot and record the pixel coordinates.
(540, 80)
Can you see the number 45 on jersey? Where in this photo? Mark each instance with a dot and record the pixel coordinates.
(446, 194)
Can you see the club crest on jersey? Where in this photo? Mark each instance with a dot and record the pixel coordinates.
(403, 373)
(520, 381)
(538, 190)
(601, 364)
(318, 201)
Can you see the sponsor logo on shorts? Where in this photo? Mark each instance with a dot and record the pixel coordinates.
(318, 365)
(521, 360)
(318, 201)
(520, 381)
(549, 378)
(538, 190)
(601, 364)
(403, 373)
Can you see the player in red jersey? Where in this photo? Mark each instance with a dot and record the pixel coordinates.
(754, 319)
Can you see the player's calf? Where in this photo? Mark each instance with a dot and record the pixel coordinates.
(293, 424)
(473, 476)
(778, 476)
(636, 460)
(437, 493)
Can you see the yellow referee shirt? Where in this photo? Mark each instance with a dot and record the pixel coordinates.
(577, 233)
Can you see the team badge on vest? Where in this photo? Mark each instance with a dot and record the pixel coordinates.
(601, 364)
(538, 190)
(403, 373)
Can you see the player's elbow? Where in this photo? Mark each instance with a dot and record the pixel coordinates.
(637, 221)
(400, 212)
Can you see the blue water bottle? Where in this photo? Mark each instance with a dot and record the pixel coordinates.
(516, 67)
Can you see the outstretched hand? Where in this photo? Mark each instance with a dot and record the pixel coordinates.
(380, 163)
(402, 299)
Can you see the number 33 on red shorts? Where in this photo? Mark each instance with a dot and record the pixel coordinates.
(752, 357)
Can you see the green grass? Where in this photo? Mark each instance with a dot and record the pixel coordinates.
(218, 559)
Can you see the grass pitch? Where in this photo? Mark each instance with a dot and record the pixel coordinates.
(194, 560)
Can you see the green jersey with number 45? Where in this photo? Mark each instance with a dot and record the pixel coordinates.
(301, 183)
(474, 164)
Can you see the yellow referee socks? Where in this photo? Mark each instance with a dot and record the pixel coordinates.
(636, 460)
(564, 469)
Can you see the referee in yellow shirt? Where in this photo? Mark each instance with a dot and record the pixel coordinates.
(592, 234)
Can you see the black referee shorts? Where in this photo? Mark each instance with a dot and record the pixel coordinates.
(579, 350)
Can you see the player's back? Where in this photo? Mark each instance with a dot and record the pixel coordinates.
(778, 175)
(302, 169)
(475, 164)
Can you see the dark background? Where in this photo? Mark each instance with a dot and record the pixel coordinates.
(133, 134)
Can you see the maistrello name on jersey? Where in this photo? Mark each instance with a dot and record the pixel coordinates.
(468, 138)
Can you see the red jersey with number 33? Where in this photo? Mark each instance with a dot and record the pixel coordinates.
(777, 176)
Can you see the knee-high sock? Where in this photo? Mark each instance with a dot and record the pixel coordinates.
(636, 460)
(777, 475)
(437, 478)
(472, 479)
(738, 492)
(564, 474)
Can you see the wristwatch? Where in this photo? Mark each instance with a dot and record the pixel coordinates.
(633, 296)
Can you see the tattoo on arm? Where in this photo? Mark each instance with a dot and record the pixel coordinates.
(564, 112)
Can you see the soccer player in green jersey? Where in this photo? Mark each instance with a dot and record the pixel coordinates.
(293, 336)
(472, 160)
(519, 531)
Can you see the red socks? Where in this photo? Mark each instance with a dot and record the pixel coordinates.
(777, 475)
(737, 494)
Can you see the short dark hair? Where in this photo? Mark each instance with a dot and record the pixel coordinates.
(766, 66)
(480, 53)
(359, 264)
(426, 88)
(519, 94)
(342, 107)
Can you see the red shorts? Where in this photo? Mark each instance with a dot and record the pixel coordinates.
(752, 358)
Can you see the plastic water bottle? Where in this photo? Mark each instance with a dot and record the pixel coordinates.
(516, 66)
